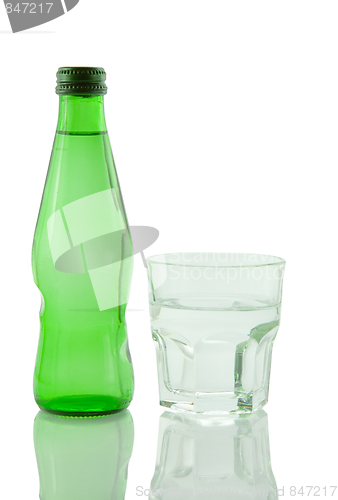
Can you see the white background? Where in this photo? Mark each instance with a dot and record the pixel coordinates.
(223, 121)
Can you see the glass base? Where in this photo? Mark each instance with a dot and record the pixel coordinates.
(83, 406)
(216, 404)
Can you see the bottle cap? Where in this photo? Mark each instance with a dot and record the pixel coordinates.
(81, 81)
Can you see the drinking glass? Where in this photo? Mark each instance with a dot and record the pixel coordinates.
(214, 319)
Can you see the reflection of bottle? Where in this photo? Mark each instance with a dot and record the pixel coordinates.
(82, 261)
(209, 457)
(83, 459)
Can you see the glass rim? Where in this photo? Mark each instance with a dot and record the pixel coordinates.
(274, 260)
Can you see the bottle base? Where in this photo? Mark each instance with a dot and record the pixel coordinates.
(83, 406)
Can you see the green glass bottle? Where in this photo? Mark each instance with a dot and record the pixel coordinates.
(82, 261)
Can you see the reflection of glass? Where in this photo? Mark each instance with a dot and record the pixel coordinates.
(83, 459)
(209, 457)
(214, 318)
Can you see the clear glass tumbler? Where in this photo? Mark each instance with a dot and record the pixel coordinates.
(214, 319)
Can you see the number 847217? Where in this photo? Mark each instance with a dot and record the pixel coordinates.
(29, 8)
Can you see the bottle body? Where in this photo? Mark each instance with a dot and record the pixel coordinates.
(82, 265)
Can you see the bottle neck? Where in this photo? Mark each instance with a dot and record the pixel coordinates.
(81, 115)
